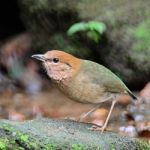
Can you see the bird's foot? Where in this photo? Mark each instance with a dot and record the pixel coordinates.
(97, 128)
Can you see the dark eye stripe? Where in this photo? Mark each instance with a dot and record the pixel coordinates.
(48, 59)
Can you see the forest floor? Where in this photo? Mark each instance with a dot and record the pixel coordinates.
(128, 118)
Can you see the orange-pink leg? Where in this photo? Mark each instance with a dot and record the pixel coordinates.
(107, 119)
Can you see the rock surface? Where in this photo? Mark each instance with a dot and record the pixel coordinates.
(61, 134)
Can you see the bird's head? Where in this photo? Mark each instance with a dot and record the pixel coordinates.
(59, 65)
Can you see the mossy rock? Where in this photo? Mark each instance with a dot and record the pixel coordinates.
(50, 134)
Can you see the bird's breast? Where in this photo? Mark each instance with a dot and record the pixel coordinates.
(82, 89)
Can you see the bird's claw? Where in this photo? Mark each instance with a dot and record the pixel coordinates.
(97, 128)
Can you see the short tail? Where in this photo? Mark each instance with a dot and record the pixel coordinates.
(132, 95)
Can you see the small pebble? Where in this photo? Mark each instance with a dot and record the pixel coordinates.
(139, 117)
(129, 130)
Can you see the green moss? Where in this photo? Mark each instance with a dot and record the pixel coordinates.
(19, 141)
(50, 147)
(3, 144)
(6, 127)
(24, 138)
(77, 147)
(142, 145)
(33, 144)
(112, 147)
(26, 141)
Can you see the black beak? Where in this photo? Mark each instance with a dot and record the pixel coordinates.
(39, 57)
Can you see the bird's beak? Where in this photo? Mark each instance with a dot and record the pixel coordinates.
(39, 57)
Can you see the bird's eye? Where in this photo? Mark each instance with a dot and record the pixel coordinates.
(55, 60)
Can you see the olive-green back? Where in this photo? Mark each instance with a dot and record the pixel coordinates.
(103, 77)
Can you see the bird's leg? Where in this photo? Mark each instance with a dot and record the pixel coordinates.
(89, 112)
(107, 119)
(93, 109)
(109, 114)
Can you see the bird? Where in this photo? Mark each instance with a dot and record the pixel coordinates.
(82, 80)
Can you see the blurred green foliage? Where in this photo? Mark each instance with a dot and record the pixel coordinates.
(93, 29)
(141, 34)
(72, 45)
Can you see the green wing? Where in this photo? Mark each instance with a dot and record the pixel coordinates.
(104, 77)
